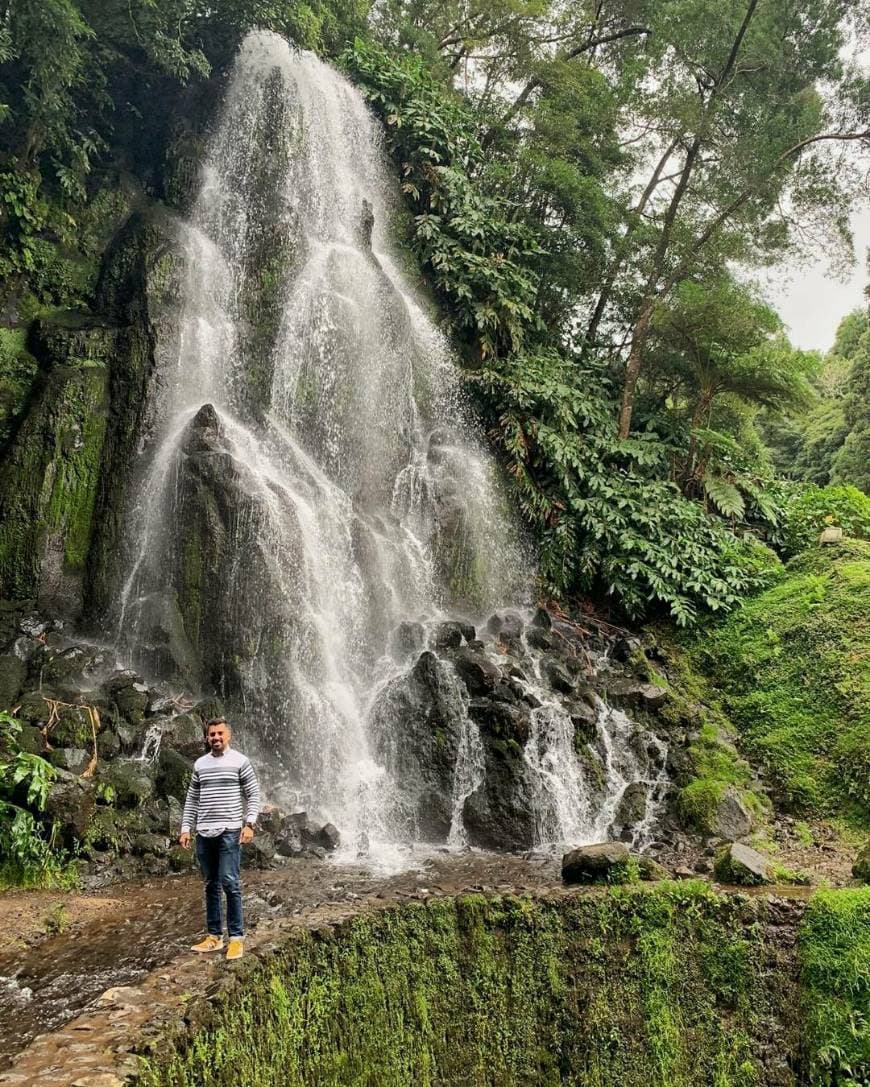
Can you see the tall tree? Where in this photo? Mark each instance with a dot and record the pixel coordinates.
(737, 135)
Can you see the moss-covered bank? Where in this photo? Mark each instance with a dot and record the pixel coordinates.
(791, 670)
(671, 986)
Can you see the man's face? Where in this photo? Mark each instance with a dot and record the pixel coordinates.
(218, 738)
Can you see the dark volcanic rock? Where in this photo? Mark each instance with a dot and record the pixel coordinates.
(478, 673)
(632, 806)
(731, 819)
(500, 813)
(329, 837)
(448, 635)
(558, 678)
(604, 862)
(416, 726)
(627, 692)
(70, 805)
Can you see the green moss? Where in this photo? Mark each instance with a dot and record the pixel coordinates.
(664, 987)
(49, 479)
(712, 765)
(793, 671)
(834, 949)
(17, 373)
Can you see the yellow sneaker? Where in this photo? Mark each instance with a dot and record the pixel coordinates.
(236, 948)
(210, 943)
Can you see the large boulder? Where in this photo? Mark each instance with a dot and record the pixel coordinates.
(479, 674)
(173, 774)
(604, 862)
(730, 819)
(739, 864)
(130, 781)
(70, 806)
(416, 726)
(501, 812)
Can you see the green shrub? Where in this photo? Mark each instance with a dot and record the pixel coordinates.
(812, 509)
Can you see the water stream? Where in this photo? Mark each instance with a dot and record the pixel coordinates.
(316, 477)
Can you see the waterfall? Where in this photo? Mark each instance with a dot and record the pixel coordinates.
(315, 486)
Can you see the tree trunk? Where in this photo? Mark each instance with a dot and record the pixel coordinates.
(632, 367)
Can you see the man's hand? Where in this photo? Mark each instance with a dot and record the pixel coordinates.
(184, 840)
(246, 836)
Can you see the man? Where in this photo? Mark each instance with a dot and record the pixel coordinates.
(223, 799)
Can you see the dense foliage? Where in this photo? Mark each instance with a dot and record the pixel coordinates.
(28, 855)
(580, 181)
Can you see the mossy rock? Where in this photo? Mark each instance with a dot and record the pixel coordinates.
(738, 864)
(49, 478)
(861, 867)
(131, 782)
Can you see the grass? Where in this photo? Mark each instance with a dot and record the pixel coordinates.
(834, 953)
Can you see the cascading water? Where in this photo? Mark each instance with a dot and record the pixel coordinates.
(314, 499)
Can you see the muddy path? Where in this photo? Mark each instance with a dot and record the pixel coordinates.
(118, 936)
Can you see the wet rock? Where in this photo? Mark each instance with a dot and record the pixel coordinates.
(468, 631)
(641, 695)
(861, 867)
(631, 809)
(558, 678)
(542, 620)
(185, 734)
(448, 635)
(538, 638)
(73, 666)
(73, 759)
(131, 701)
(417, 724)
(328, 837)
(130, 781)
(604, 862)
(108, 744)
(507, 627)
(271, 819)
(737, 863)
(623, 648)
(500, 813)
(260, 852)
(150, 844)
(33, 626)
(500, 720)
(13, 673)
(70, 805)
(173, 774)
(731, 818)
(73, 727)
(30, 739)
(478, 673)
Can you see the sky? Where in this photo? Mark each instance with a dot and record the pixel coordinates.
(812, 300)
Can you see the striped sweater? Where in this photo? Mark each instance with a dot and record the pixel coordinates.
(223, 793)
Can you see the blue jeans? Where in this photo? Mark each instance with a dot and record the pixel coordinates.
(219, 860)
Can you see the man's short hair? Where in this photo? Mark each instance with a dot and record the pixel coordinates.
(215, 721)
